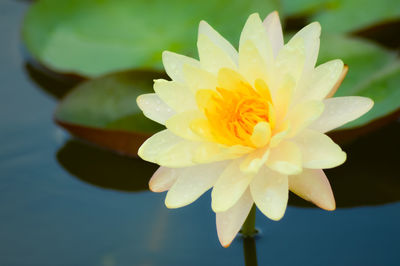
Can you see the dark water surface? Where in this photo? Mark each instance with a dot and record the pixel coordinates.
(64, 202)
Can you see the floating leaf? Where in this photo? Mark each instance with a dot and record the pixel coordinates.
(104, 111)
(93, 37)
(373, 72)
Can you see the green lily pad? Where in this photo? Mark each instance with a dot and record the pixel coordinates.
(350, 15)
(373, 72)
(104, 111)
(94, 37)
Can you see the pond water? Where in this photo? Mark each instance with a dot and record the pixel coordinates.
(65, 202)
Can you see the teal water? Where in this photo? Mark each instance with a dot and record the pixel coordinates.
(65, 202)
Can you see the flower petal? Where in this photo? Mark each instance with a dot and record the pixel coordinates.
(229, 222)
(261, 134)
(318, 150)
(229, 187)
(197, 78)
(285, 158)
(192, 182)
(254, 46)
(180, 124)
(176, 95)
(310, 34)
(312, 185)
(251, 64)
(272, 25)
(162, 179)
(212, 152)
(154, 108)
(217, 39)
(173, 64)
(253, 161)
(341, 110)
(289, 62)
(269, 190)
(322, 80)
(157, 144)
(303, 114)
(213, 57)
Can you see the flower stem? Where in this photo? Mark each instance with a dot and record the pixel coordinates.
(248, 228)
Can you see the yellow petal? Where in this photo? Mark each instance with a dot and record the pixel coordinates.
(192, 182)
(285, 158)
(197, 78)
(318, 150)
(180, 124)
(254, 47)
(229, 222)
(229, 187)
(211, 152)
(312, 185)
(270, 190)
(173, 64)
(341, 110)
(162, 179)
(251, 64)
(180, 155)
(229, 79)
(212, 57)
(261, 134)
(217, 39)
(273, 28)
(176, 95)
(154, 108)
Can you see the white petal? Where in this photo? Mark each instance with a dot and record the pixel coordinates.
(217, 39)
(318, 150)
(229, 222)
(321, 82)
(253, 161)
(176, 95)
(312, 185)
(303, 114)
(162, 179)
(192, 182)
(167, 149)
(229, 187)
(270, 191)
(273, 28)
(285, 158)
(289, 63)
(310, 35)
(154, 108)
(180, 124)
(213, 57)
(158, 143)
(341, 110)
(173, 64)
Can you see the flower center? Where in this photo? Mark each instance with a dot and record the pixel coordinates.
(234, 110)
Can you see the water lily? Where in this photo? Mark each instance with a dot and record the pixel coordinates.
(250, 124)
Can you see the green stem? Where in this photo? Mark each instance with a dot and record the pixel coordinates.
(248, 228)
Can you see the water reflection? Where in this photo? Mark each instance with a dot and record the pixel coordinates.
(103, 168)
(362, 180)
(54, 84)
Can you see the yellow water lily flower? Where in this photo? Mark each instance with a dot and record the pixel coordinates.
(250, 124)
